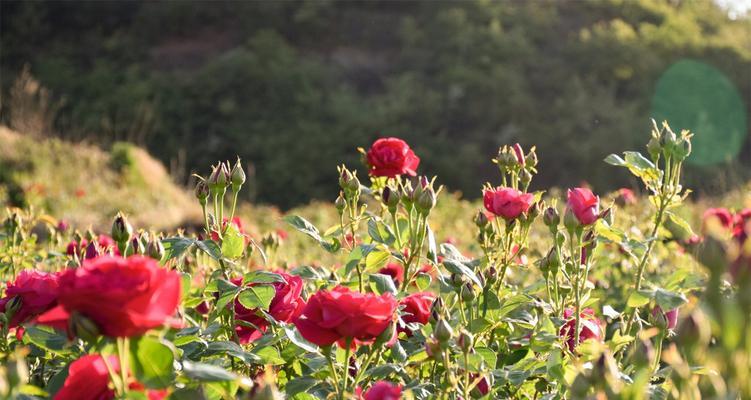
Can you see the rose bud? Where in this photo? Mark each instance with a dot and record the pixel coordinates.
(525, 177)
(467, 292)
(92, 251)
(156, 249)
(465, 341)
(202, 192)
(426, 201)
(433, 348)
(505, 158)
(390, 197)
(443, 331)
(518, 153)
(237, 176)
(436, 310)
(584, 204)
(219, 178)
(121, 229)
(491, 275)
(340, 203)
(481, 220)
(653, 148)
(551, 218)
(667, 320)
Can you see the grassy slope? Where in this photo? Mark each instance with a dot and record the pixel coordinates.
(87, 185)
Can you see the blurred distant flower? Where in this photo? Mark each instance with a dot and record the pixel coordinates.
(589, 327)
(395, 271)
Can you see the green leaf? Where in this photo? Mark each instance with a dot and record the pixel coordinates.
(151, 362)
(638, 298)
(233, 242)
(302, 225)
(423, 281)
(432, 248)
(669, 300)
(176, 246)
(262, 277)
(616, 160)
(219, 390)
(380, 233)
(257, 296)
(206, 372)
(488, 356)
(269, 355)
(46, 338)
(295, 337)
(383, 283)
(678, 227)
(457, 267)
(299, 385)
(375, 260)
(211, 248)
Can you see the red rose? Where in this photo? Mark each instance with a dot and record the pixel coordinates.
(383, 390)
(123, 297)
(285, 306)
(507, 202)
(416, 309)
(589, 327)
(391, 157)
(395, 271)
(88, 379)
(33, 293)
(721, 215)
(341, 314)
(584, 204)
(626, 196)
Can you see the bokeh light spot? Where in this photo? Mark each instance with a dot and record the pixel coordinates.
(698, 97)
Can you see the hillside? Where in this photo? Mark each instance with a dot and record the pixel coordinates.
(87, 185)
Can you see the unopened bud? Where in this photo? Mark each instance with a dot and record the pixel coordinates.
(156, 249)
(219, 178)
(426, 201)
(13, 305)
(433, 348)
(436, 310)
(348, 181)
(340, 203)
(443, 331)
(137, 245)
(121, 229)
(518, 153)
(525, 177)
(532, 158)
(465, 341)
(570, 221)
(481, 220)
(491, 275)
(467, 292)
(237, 176)
(457, 280)
(92, 250)
(653, 148)
(551, 218)
(202, 192)
(390, 197)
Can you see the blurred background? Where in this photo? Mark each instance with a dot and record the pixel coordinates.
(294, 87)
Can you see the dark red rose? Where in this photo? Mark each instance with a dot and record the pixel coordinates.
(88, 379)
(122, 297)
(483, 386)
(32, 293)
(742, 225)
(416, 309)
(391, 157)
(285, 306)
(720, 215)
(341, 314)
(584, 204)
(507, 202)
(395, 271)
(383, 390)
(589, 327)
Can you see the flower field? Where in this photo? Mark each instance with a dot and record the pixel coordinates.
(397, 290)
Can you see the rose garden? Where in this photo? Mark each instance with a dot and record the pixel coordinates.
(549, 295)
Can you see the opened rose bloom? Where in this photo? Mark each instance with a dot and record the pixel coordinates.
(32, 293)
(416, 309)
(89, 379)
(383, 390)
(391, 157)
(342, 315)
(285, 306)
(589, 327)
(122, 297)
(584, 204)
(507, 202)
